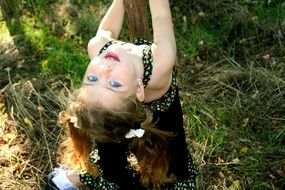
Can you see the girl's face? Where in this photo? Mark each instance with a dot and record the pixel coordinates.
(112, 76)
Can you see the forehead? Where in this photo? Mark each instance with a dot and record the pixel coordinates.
(90, 95)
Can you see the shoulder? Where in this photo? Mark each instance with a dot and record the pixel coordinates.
(164, 55)
(97, 42)
(95, 45)
(164, 58)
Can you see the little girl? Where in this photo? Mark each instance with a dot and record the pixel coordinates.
(125, 125)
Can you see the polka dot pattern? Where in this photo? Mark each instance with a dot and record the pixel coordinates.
(148, 64)
(103, 184)
(98, 183)
(146, 58)
(166, 100)
(106, 46)
(188, 184)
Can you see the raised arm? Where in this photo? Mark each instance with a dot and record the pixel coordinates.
(109, 28)
(164, 49)
(111, 23)
(163, 33)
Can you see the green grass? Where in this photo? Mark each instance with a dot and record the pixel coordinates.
(230, 68)
(235, 112)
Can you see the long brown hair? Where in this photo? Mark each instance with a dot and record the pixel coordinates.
(98, 124)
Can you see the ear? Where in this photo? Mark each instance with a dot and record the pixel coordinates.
(140, 92)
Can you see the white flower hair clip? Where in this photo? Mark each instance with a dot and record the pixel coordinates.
(74, 120)
(94, 156)
(135, 133)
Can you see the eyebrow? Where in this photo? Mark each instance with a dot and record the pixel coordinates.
(109, 88)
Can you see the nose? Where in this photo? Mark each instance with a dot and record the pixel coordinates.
(105, 68)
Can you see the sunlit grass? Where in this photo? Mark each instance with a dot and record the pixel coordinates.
(66, 58)
(5, 35)
(37, 35)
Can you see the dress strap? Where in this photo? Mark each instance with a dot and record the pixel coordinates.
(140, 41)
(106, 46)
(147, 59)
(163, 103)
(148, 64)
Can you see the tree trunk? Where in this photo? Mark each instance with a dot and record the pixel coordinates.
(136, 11)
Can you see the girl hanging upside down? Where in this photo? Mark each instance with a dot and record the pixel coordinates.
(124, 125)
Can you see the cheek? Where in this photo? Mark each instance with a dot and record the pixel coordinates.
(90, 68)
(129, 73)
(95, 61)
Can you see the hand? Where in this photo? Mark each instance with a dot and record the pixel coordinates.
(66, 180)
(73, 177)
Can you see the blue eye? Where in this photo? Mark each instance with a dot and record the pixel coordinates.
(92, 78)
(115, 84)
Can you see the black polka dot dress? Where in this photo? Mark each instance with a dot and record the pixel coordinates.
(115, 173)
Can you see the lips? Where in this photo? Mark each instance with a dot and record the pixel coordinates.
(112, 56)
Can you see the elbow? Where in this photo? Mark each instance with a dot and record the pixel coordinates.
(91, 46)
(104, 33)
(94, 45)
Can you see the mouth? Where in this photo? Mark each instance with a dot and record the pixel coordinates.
(112, 56)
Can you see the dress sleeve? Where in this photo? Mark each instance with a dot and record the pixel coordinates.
(98, 182)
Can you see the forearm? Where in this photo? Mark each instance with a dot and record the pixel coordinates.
(73, 178)
(63, 179)
(164, 47)
(113, 20)
(162, 22)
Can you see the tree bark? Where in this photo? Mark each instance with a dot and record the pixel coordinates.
(136, 11)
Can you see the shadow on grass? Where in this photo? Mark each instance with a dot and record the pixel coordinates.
(11, 16)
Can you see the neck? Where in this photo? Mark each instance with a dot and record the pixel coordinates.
(140, 70)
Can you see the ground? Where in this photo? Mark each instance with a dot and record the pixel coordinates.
(231, 71)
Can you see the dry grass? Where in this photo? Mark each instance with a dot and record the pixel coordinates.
(19, 158)
(29, 132)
